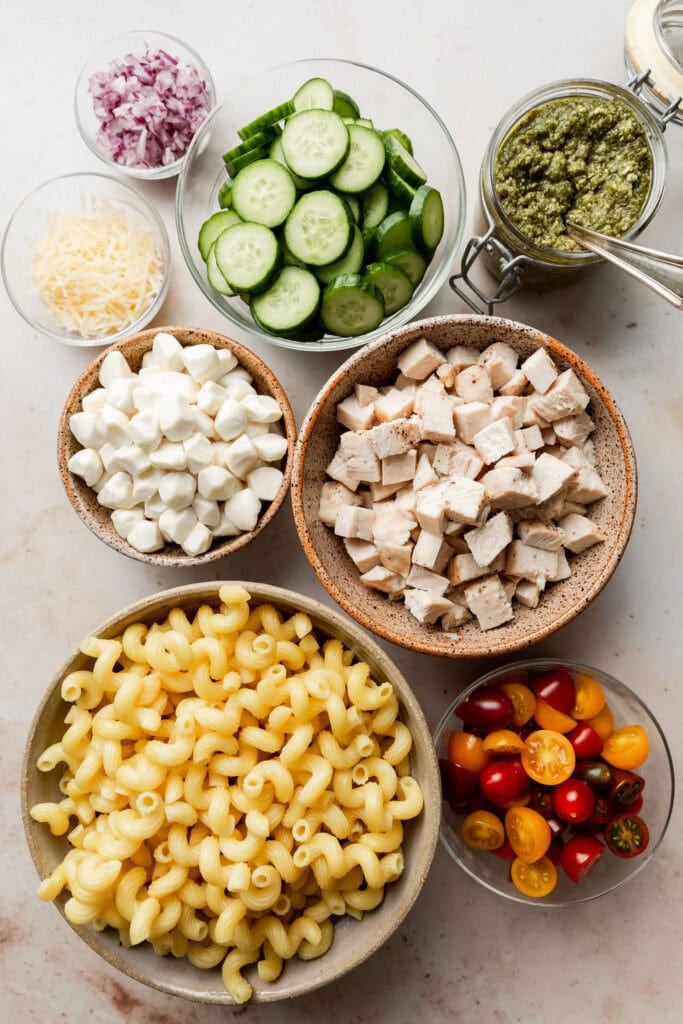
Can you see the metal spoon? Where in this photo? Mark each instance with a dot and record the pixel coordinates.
(660, 271)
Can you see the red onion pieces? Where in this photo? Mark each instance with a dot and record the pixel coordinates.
(149, 108)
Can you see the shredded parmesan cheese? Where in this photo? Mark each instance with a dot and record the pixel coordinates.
(97, 270)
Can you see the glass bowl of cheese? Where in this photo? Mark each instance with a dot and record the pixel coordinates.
(85, 260)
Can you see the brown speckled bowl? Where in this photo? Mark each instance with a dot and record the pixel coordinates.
(84, 499)
(561, 602)
(354, 941)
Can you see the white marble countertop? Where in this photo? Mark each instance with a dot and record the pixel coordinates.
(462, 954)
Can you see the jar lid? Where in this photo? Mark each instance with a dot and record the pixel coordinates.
(654, 55)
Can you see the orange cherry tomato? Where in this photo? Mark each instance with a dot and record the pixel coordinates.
(590, 697)
(482, 830)
(603, 722)
(529, 833)
(523, 700)
(536, 879)
(626, 747)
(503, 741)
(467, 750)
(548, 757)
(549, 718)
(520, 801)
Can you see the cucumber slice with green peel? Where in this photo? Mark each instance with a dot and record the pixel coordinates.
(315, 94)
(344, 105)
(236, 164)
(400, 188)
(353, 204)
(290, 302)
(268, 120)
(375, 206)
(213, 274)
(412, 263)
(369, 238)
(351, 306)
(393, 233)
(288, 258)
(426, 218)
(275, 153)
(315, 143)
(318, 230)
(364, 162)
(394, 284)
(264, 193)
(400, 161)
(248, 257)
(364, 122)
(315, 331)
(402, 138)
(350, 263)
(212, 228)
(225, 195)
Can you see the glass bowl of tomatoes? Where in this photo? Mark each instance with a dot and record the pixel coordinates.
(557, 782)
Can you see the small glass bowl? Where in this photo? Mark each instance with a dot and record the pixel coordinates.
(610, 872)
(28, 225)
(135, 43)
(391, 104)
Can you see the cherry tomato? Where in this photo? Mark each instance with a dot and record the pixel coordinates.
(626, 787)
(596, 773)
(556, 827)
(542, 800)
(482, 830)
(589, 699)
(520, 675)
(523, 700)
(627, 835)
(467, 750)
(505, 851)
(603, 722)
(499, 782)
(573, 800)
(536, 879)
(635, 806)
(462, 783)
(528, 832)
(556, 687)
(486, 708)
(548, 757)
(579, 856)
(549, 717)
(627, 747)
(503, 741)
(585, 740)
(555, 851)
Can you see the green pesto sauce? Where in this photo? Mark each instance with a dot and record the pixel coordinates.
(580, 158)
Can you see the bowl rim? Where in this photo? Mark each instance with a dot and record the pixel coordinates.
(336, 343)
(164, 171)
(484, 648)
(226, 546)
(333, 622)
(575, 666)
(159, 299)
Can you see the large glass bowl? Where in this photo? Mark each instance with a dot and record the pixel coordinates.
(390, 104)
(610, 872)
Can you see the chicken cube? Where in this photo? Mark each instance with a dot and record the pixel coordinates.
(516, 385)
(529, 563)
(574, 430)
(563, 569)
(394, 405)
(464, 499)
(431, 551)
(365, 394)
(521, 460)
(361, 462)
(463, 568)
(494, 441)
(425, 579)
(566, 397)
(394, 438)
(486, 542)
(354, 522)
(550, 475)
(332, 496)
(426, 605)
(533, 439)
(470, 418)
(399, 468)
(537, 534)
(381, 578)
(391, 525)
(527, 593)
(351, 414)
(508, 406)
(424, 474)
(420, 359)
(395, 557)
(380, 491)
(437, 419)
(540, 370)
(473, 384)
(488, 601)
(338, 469)
(461, 356)
(447, 374)
(500, 361)
(364, 555)
(457, 615)
(431, 508)
(588, 486)
(457, 459)
(509, 488)
(580, 533)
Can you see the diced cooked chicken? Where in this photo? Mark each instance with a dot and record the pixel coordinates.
(363, 554)
(399, 468)
(365, 394)
(531, 417)
(420, 359)
(494, 441)
(529, 563)
(395, 557)
(464, 499)
(424, 474)
(338, 469)
(332, 496)
(533, 439)
(521, 460)
(463, 568)
(566, 397)
(586, 487)
(394, 405)
(470, 418)
(500, 361)
(426, 605)
(425, 579)
(380, 491)
(431, 508)
(456, 616)
(588, 450)
(351, 414)
(488, 601)
(447, 374)
(486, 542)
(394, 438)
(381, 578)
(437, 419)
(473, 384)
(563, 569)
(540, 370)
(457, 459)
(516, 385)
(550, 475)
(406, 499)
(537, 534)
(580, 533)
(431, 551)
(574, 430)
(461, 356)
(567, 507)
(509, 488)
(549, 438)
(509, 407)
(391, 525)
(509, 586)
(354, 522)
(361, 462)
(527, 593)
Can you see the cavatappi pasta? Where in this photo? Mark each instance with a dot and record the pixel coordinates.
(230, 784)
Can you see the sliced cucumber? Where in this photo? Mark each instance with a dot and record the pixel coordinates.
(393, 233)
(375, 206)
(318, 230)
(410, 262)
(402, 138)
(212, 228)
(350, 263)
(394, 284)
(400, 188)
(275, 153)
(364, 122)
(315, 331)
(248, 257)
(351, 306)
(225, 195)
(289, 303)
(315, 94)
(344, 105)
(364, 163)
(267, 120)
(213, 274)
(426, 218)
(405, 165)
(354, 205)
(264, 193)
(315, 143)
(288, 258)
(241, 156)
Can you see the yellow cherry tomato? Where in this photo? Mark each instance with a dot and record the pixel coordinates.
(523, 700)
(603, 722)
(503, 741)
(467, 750)
(548, 757)
(520, 801)
(590, 697)
(529, 833)
(626, 747)
(550, 718)
(482, 830)
(536, 879)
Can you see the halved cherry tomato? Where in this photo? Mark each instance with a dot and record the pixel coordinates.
(528, 832)
(499, 782)
(602, 810)
(467, 750)
(548, 757)
(579, 856)
(585, 740)
(596, 773)
(519, 801)
(505, 851)
(486, 708)
(589, 699)
(556, 687)
(603, 722)
(635, 806)
(542, 800)
(627, 747)
(503, 741)
(482, 830)
(626, 787)
(549, 717)
(573, 800)
(536, 879)
(627, 835)
(523, 700)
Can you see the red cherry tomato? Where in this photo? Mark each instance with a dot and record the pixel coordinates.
(585, 740)
(635, 807)
(486, 708)
(626, 787)
(556, 687)
(500, 782)
(542, 800)
(462, 783)
(556, 827)
(573, 800)
(505, 851)
(627, 835)
(602, 810)
(579, 856)
(554, 851)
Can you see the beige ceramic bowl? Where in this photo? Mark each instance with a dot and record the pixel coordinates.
(354, 941)
(376, 365)
(83, 498)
